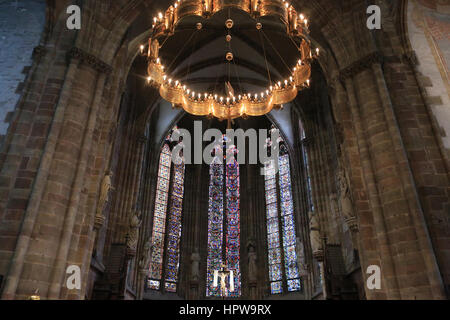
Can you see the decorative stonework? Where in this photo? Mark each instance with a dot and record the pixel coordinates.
(39, 52)
(361, 65)
(89, 59)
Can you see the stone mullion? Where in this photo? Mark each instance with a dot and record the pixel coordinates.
(113, 225)
(409, 188)
(147, 211)
(301, 201)
(69, 221)
(17, 260)
(324, 157)
(125, 204)
(312, 168)
(187, 232)
(387, 264)
(318, 167)
(261, 236)
(137, 200)
(129, 201)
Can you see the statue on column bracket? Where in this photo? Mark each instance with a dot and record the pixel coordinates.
(314, 234)
(334, 205)
(346, 200)
(195, 265)
(144, 262)
(252, 266)
(301, 259)
(133, 230)
(106, 187)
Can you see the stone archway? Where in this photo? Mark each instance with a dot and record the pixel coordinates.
(69, 123)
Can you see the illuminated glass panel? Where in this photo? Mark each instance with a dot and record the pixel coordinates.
(281, 235)
(288, 225)
(215, 225)
(174, 229)
(224, 216)
(233, 225)
(273, 234)
(167, 225)
(159, 218)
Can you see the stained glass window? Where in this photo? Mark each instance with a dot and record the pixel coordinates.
(281, 234)
(167, 223)
(224, 180)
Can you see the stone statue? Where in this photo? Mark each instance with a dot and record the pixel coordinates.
(195, 265)
(301, 259)
(345, 195)
(133, 229)
(314, 234)
(334, 205)
(104, 193)
(144, 262)
(252, 266)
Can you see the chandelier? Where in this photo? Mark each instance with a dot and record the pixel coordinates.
(231, 106)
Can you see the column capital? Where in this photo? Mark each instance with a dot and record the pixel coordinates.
(39, 52)
(360, 65)
(142, 139)
(89, 59)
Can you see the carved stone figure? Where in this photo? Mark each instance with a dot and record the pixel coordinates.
(252, 266)
(133, 229)
(104, 193)
(144, 262)
(195, 265)
(301, 259)
(345, 195)
(334, 205)
(314, 228)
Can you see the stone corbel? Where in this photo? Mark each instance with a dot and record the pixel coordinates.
(39, 52)
(361, 65)
(89, 59)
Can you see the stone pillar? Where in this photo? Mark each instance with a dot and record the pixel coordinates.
(385, 252)
(23, 241)
(63, 251)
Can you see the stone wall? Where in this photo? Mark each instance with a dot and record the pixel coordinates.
(429, 35)
(21, 26)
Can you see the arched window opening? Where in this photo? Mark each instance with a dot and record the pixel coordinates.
(281, 234)
(167, 218)
(224, 180)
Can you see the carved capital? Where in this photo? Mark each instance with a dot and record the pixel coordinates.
(319, 255)
(352, 224)
(411, 58)
(361, 65)
(89, 59)
(142, 139)
(39, 52)
(99, 221)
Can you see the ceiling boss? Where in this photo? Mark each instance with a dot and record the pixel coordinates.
(231, 106)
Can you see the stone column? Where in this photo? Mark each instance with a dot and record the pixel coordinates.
(18, 258)
(59, 269)
(385, 252)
